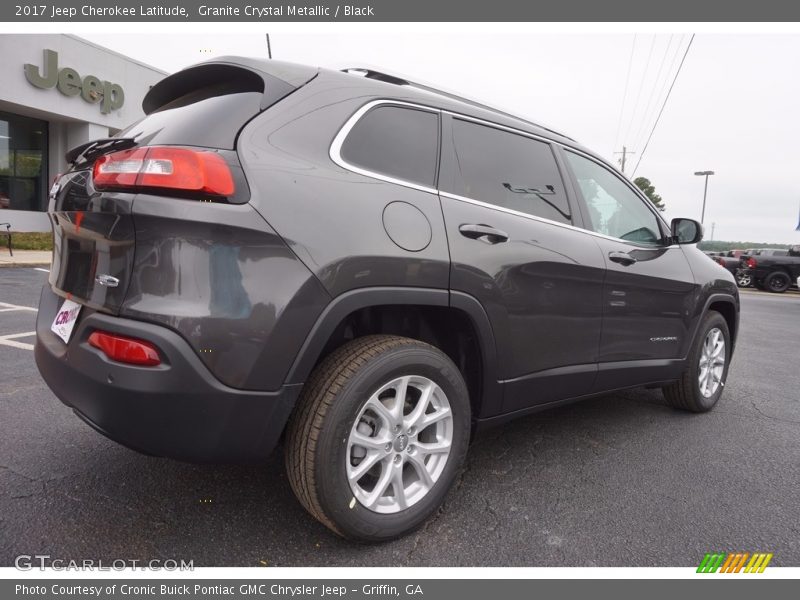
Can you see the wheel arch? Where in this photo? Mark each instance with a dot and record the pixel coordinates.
(454, 322)
(728, 307)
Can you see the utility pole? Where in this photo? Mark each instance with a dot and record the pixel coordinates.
(624, 157)
(269, 48)
(713, 226)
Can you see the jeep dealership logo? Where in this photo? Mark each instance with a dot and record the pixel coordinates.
(69, 82)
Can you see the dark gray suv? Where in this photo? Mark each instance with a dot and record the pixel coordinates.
(365, 268)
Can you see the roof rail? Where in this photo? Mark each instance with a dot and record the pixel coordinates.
(396, 79)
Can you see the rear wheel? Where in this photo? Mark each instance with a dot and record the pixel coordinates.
(378, 437)
(703, 381)
(777, 282)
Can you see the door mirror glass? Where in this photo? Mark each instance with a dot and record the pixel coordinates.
(686, 231)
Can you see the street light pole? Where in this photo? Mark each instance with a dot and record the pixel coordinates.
(705, 192)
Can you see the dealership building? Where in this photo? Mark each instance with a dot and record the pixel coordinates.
(57, 92)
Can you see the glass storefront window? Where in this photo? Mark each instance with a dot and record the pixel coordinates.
(23, 163)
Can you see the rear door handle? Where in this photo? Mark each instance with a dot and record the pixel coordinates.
(484, 233)
(622, 258)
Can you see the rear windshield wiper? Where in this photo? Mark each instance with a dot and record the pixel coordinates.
(89, 150)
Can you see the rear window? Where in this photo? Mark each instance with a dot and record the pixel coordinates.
(402, 143)
(198, 118)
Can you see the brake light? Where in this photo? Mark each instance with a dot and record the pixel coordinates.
(751, 263)
(124, 349)
(163, 167)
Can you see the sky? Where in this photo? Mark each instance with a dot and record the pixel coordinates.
(733, 108)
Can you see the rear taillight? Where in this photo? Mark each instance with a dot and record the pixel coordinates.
(162, 167)
(124, 349)
(751, 263)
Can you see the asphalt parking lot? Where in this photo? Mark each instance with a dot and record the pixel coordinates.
(621, 480)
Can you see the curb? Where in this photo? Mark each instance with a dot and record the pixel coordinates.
(17, 264)
(753, 292)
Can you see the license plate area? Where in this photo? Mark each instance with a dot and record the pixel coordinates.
(65, 320)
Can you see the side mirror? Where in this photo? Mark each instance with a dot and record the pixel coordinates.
(686, 231)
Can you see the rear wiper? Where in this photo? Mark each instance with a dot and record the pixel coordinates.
(90, 150)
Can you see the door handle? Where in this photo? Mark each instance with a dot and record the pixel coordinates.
(484, 233)
(622, 258)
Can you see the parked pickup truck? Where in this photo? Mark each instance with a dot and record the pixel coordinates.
(771, 270)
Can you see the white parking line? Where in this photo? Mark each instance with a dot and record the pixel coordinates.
(8, 340)
(41, 269)
(6, 307)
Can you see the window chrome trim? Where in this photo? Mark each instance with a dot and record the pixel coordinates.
(335, 153)
(538, 138)
(546, 221)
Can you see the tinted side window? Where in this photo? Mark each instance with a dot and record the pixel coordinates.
(398, 142)
(614, 209)
(506, 169)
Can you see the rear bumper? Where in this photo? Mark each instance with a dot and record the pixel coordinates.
(176, 409)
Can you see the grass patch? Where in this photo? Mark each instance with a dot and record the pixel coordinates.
(30, 240)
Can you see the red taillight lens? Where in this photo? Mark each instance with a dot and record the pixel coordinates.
(125, 349)
(163, 167)
(751, 263)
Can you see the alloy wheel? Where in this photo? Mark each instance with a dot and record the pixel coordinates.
(712, 362)
(399, 444)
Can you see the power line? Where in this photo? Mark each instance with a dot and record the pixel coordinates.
(661, 112)
(625, 95)
(656, 85)
(641, 86)
(667, 78)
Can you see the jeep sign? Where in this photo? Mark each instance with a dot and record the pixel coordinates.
(69, 83)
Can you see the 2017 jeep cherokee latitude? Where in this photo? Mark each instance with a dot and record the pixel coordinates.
(365, 267)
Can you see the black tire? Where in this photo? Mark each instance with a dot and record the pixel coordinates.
(777, 282)
(685, 393)
(330, 404)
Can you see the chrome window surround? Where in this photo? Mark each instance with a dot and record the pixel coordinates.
(336, 157)
(336, 147)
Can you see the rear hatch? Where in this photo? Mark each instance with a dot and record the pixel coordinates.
(182, 148)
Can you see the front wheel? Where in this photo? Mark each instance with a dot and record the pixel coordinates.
(703, 381)
(378, 437)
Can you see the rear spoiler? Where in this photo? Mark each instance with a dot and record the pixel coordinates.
(274, 79)
(93, 148)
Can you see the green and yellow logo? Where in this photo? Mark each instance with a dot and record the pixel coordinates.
(734, 562)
